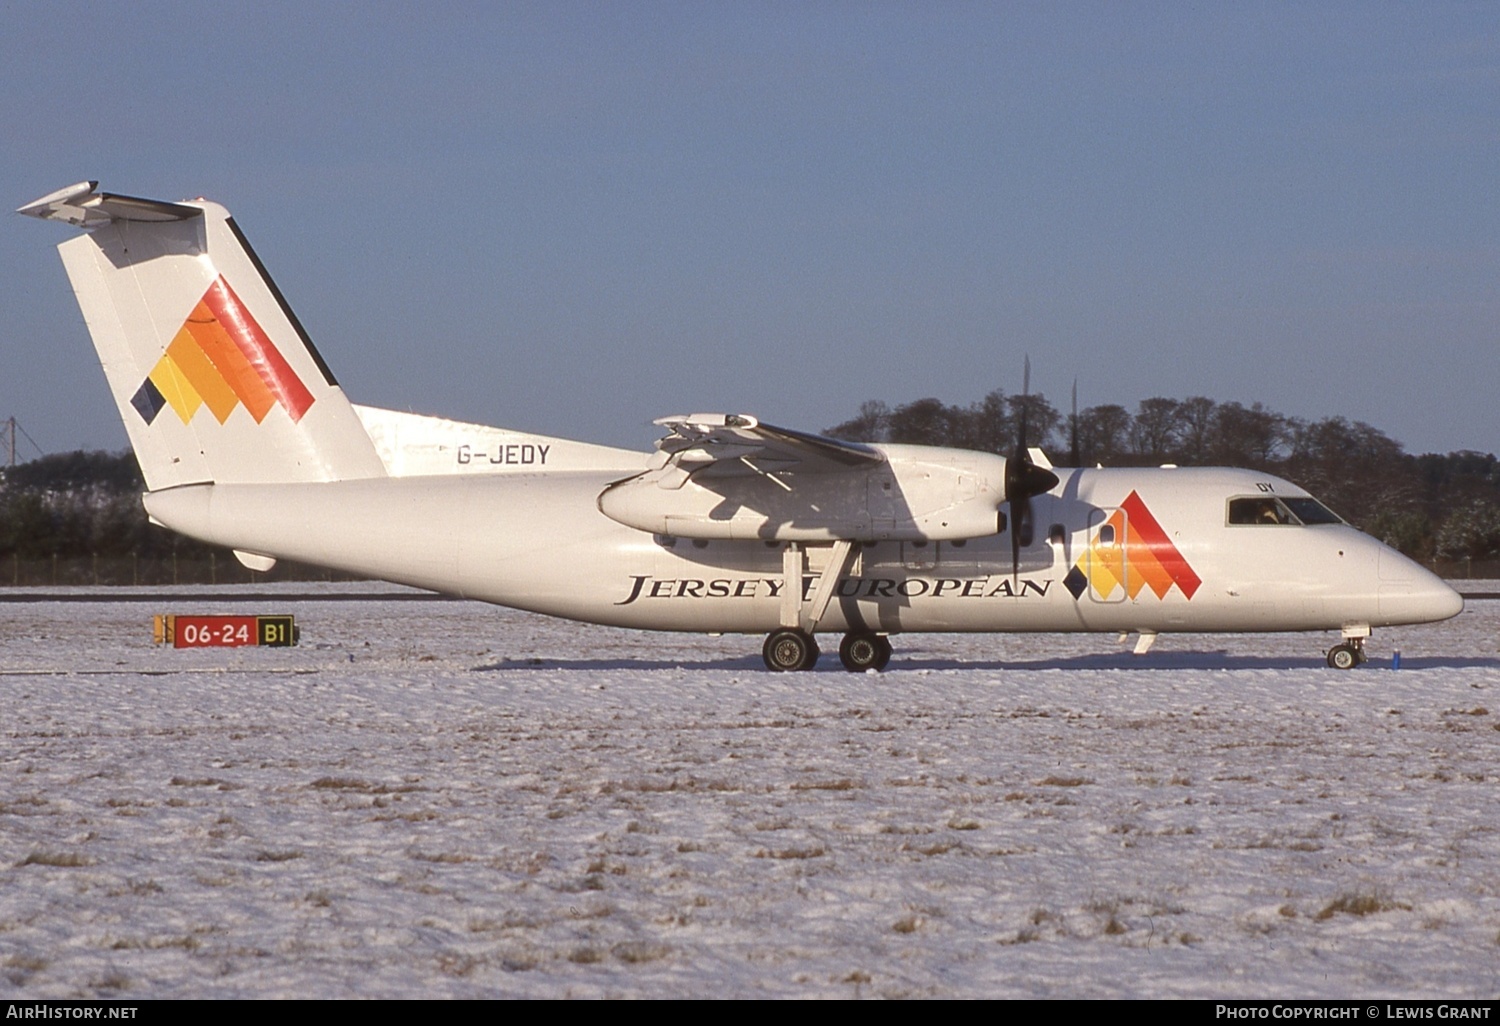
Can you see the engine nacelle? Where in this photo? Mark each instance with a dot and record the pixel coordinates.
(918, 494)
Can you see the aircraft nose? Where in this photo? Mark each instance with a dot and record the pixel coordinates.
(1444, 602)
(1426, 602)
(1412, 594)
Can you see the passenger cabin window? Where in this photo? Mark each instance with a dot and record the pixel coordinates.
(1263, 510)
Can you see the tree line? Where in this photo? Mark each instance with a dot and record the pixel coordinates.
(1431, 507)
(77, 509)
(77, 518)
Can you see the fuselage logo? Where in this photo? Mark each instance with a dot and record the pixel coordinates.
(221, 358)
(1131, 551)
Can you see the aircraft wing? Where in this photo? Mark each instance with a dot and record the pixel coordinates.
(712, 445)
(728, 476)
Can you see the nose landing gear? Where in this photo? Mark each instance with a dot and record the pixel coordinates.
(1351, 651)
(1347, 655)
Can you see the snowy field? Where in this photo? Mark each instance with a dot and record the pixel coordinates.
(444, 799)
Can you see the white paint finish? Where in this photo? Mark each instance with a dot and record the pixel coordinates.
(413, 445)
(136, 283)
(692, 538)
(918, 493)
(535, 541)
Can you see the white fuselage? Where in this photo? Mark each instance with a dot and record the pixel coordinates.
(538, 541)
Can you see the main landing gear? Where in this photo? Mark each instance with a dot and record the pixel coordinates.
(791, 648)
(861, 652)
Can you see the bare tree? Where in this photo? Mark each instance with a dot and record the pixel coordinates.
(922, 422)
(1153, 435)
(1195, 432)
(1247, 436)
(1103, 434)
(872, 424)
(1041, 418)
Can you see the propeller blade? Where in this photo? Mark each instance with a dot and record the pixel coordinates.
(1023, 479)
(1074, 458)
(1025, 409)
(1015, 538)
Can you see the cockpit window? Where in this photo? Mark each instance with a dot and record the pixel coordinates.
(1265, 509)
(1311, 511)
(1260, 510)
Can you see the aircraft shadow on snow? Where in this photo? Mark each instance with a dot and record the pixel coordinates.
(1156, 662)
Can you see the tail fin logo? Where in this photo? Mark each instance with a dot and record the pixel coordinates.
(1131, 551)
(221, 358)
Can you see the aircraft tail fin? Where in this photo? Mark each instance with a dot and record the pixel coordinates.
(214, 376)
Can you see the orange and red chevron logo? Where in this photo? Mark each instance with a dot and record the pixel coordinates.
(1131, 551)
(220, 358)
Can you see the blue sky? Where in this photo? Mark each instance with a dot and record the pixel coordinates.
(572, 218)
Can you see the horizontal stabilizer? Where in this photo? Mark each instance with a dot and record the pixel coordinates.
(214, 376)
(79, 205)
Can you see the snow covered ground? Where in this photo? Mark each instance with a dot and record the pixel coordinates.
(446, 799)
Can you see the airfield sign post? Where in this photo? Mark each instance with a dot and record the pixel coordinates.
(224, 631)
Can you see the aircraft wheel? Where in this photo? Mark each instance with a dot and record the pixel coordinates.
(1344, 657)
(861, 652)
(790, 649)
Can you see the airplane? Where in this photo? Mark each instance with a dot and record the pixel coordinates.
(732, 525)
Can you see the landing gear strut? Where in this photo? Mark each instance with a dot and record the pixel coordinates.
(791, 646)
(1347, 655)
